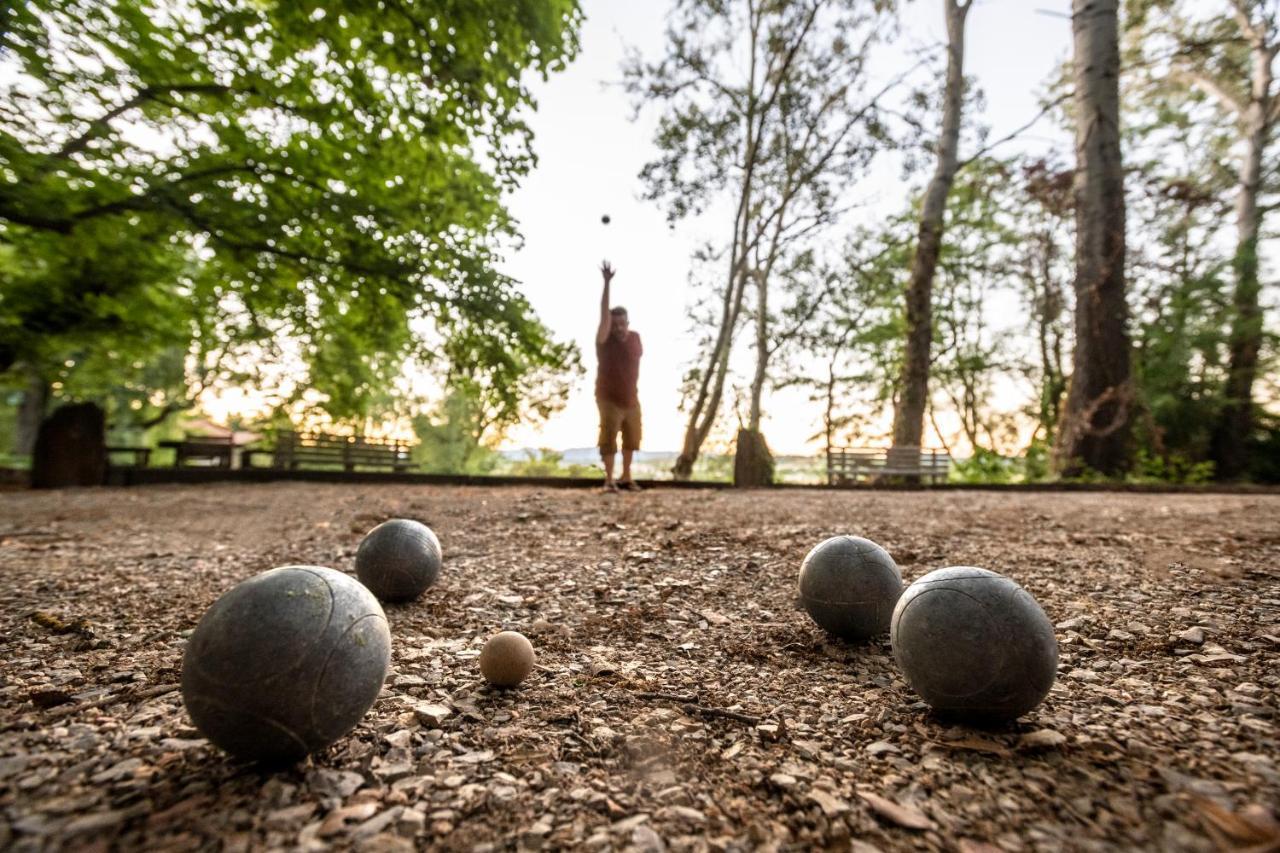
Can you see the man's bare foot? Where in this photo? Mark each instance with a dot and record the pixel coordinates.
(629, 486)
(609, 487)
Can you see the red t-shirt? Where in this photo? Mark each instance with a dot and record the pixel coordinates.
(619, 370)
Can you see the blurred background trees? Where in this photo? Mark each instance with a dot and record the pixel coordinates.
(302, 197)
(304, 203)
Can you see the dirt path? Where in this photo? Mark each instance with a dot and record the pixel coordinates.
(682, 699)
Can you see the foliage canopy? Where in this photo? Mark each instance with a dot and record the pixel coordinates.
(222, 175)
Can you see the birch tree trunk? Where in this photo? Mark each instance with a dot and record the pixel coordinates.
(706, 404)
(1231, 433)
(1094, 432)
(702, 415)
(762, 350)
(913, 382)
(753, 462)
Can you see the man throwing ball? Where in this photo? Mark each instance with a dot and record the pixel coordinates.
(618, 352)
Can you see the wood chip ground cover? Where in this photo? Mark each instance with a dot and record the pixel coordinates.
(681, 701)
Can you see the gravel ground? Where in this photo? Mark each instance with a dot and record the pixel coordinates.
(682, 701)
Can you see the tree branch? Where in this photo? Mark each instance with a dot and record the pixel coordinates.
(1210, 86)
(214, 234)
(43, 223)
(1014, 134)
(1256, 37)
(100, 125)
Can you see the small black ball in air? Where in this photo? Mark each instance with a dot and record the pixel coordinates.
(605, 219)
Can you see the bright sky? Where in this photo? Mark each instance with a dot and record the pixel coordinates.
(591, 153)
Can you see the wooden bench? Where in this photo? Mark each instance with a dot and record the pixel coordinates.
(295, 450)
(849, 465)
(141, 455)
(218, 450)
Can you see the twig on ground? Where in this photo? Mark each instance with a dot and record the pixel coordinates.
(67, 710)
(670, 697)
(134, 696)
(722, 712)
(689, 704)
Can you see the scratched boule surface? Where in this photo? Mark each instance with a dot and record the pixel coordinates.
(681, 698)
(285, 663)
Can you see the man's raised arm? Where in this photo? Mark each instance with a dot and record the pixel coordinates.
(602, 333)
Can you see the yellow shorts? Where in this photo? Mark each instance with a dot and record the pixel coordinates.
(615, 418)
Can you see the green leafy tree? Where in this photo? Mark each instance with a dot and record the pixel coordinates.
(480, 404)
(768, 114)
(848, 353)
(448, 442)
(335, 170)
(1182, 316)
(1043, 228)
(1224, 60)
(974, 265)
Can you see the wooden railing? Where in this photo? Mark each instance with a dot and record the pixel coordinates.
(295, 450)
(850, 465)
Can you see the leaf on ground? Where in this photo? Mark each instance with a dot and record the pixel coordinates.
(1253, 828)
(58, 626)
(905, 816)
(831, 805)
(1041, 739)
(977, 744)
(967, 846)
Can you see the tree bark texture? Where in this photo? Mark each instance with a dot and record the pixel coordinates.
(752, 461)
(762, 350)
(1094, 432)
(913, 382)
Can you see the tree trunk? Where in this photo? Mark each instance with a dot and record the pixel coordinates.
(35, 399)
(1235, 424)
(913, 382)
(1048, 309)
(752, 461)
(762, 350)
(702, 417)
(1094, 431)
(707, 404)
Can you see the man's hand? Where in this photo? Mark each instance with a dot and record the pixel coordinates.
(602, 331)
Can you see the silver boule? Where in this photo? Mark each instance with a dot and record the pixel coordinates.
(849, 586)
(285, 663)
(399, 559)
(974, 644)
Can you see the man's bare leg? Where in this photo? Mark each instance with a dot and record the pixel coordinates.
(626, 482)
(607, 459)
